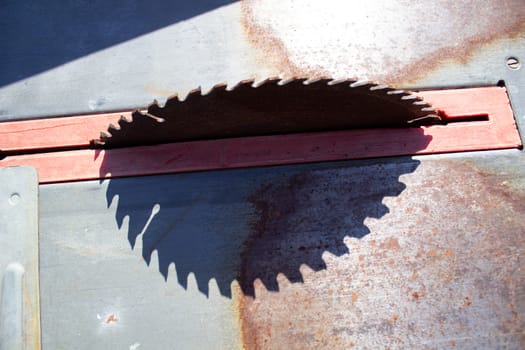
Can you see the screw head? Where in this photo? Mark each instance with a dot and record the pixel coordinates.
(14, 199)
(513, 63)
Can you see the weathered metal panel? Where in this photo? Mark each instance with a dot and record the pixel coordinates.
(515, 82)
(98, 293)
(141, 56)
(397, 42)
(19, 282)
(441, 269)
(400, 253)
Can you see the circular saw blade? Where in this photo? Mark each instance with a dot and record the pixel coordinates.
(271, 107)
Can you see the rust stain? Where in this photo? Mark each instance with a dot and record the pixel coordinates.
(479, 219)
(355, 296)
(272, 49)
(501, 28)
(393, 319)
(111, 318)
(153, 89)
(296, 220)
(467, 302)
(250, 331)
(414, 276)
(391, 243)
(487, 24)
(268, 228)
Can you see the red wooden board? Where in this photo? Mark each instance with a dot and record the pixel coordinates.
(497, 133)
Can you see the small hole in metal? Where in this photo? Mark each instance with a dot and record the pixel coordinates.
(513, 63)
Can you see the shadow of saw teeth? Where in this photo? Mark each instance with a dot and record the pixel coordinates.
(270, 107)
(252, 225)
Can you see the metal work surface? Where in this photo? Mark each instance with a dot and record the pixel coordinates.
(515, 81)
(101, 56)
(421, 252)
(398, 252)
(19, 294)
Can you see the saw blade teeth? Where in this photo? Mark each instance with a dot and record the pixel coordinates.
(154, 117)
(269, 80)
(123, 119)
(410, 97)
(195, 93)
(171, 101)
(360, 83)
(173, 98)
(397, 92)
(286, 81)
(319, 81)
(274, 80)
(215, 89)
(220, 87)
(337, 81)
(299, 81)
(312, 80)
(241, 84)
(154, 104)
(257, 84)
(137, 115)
(377, 87)
(112, 127)
(403, 103)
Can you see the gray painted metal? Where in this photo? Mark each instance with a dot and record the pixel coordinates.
(407, 253)
(98, 293)
(19, 303)
(515, 83)
(101, 56)
(12, 309)
(138, 66)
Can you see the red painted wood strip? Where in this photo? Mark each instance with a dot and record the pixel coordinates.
(55, 133)
(259, 151)
(500, 130)
(469, 101)
(497, 133)
(79, 131)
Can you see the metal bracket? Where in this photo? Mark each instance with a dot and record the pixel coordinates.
(19, 298)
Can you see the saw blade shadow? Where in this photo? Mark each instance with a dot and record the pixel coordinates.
(253, 224)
